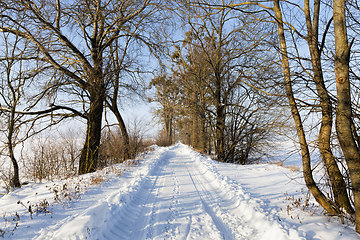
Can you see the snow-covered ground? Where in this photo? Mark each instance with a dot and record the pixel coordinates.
(174, 193)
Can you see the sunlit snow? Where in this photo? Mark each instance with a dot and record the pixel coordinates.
(174, 193)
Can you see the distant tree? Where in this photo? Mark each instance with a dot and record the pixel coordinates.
(217, 62)
(167, 95)
(194, 77)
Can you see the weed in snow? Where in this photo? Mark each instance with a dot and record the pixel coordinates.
(9, 224)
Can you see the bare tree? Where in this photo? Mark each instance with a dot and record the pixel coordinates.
(12, 85)
(307, 171)
(74, 39)
(20, 100)
(321, 94)
(344, 107)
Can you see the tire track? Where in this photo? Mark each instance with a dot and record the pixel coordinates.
(180, 200)
(221, 206)
(140, 217)
(208, 201)
(131, 222)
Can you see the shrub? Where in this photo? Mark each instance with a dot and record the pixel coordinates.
(50, 158)
(113, 148)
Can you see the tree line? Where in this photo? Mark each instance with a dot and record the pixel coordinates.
(231, 72)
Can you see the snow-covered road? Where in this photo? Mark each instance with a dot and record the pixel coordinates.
(175, 193)
(175, 202)
(179, 201)
(180, 198)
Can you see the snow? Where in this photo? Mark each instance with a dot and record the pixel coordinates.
(173, 193)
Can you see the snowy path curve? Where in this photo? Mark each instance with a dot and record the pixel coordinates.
(182, 198)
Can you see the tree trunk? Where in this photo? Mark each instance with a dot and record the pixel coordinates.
(203, 132)
(90, 151)
(220, 121)
(194, 117)
(168, 126)
(338, 184)
(15, 180)
(194, 128)
(210, 142)
(307, 171)
(114, 108)
(344, 108)
(220, 125)
(170, 137)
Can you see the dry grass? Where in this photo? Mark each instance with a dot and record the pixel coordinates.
(291, 168)
(118, 171)
(96, 180)
(302, 203)
(132, 162)
(70, 190)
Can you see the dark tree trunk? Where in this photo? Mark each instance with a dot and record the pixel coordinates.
(194, 129)
(171, 132)
(194, 115)
(168, 127)
(204, 135)
(90, 151)
(210, 142)
(15, 180)
(220, 120)
(220, 123)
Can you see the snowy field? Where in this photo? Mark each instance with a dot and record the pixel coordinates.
(173, 193)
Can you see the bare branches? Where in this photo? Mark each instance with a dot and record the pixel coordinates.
(72, 45)
(50, 110)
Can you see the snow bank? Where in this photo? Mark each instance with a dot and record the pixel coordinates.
(250, 207)
(83, 224)
(175, 193)
(270, 189)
